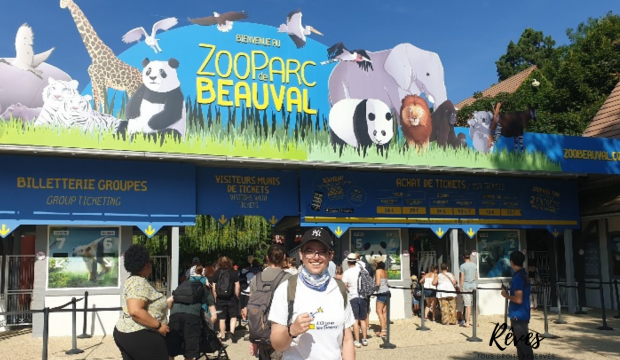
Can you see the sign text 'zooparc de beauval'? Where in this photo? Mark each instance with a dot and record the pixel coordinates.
(225, 87)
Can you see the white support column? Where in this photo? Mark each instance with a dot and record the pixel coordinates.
(604, 255)
(454, 252)
(570, 271)
(174, 258)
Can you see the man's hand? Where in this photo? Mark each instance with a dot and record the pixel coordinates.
(504, 294)
(301, 324)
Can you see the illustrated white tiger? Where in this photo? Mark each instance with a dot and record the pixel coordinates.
(54, 95)
(64, 106)
(77, 112)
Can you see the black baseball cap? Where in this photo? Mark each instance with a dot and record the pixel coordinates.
(467, 253)
(318, 234)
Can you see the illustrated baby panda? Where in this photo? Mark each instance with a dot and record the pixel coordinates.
(378, 252)
(93, 255)
(158, 106)
(360, 124)
(480, 130)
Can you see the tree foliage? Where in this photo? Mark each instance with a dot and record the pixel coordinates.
(209, 240)
(575, 79)
(533, 48)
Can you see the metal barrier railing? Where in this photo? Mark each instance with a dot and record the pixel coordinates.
(62, 309)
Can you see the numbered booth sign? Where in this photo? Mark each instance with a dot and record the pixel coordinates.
(378, 245)
(83, 257)
(494, 248)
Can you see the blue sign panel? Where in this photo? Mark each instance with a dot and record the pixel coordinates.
(407, 199)
(86, 192)
(224, 193)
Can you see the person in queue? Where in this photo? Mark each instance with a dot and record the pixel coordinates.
(429, 281)
(276, 260)
(226, 296)
(469, 277)
(317, 300)
(381, 278)
(209, 312)
(291, 266)
(141, 330)
(358, 303)
(446, 281)
(186, 321)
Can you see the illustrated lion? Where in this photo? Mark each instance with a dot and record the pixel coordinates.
(416, 122)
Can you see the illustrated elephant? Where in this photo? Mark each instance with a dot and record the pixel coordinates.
(401, 71)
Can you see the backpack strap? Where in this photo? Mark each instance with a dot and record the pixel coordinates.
(274, 285)
(292, 289)
(343, 291)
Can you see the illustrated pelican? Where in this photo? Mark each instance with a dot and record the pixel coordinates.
(295, 30)
(224, 21)
(137, 33)
(25, 58)
(339, 52)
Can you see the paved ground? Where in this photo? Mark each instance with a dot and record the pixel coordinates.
(579, 339)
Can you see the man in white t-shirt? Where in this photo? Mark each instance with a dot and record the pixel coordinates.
(358, 303)
(318, 328)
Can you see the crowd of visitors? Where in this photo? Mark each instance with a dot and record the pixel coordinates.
(447, 298)
(218, 296)
(280, 301)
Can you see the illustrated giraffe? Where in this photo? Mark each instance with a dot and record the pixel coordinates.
(106, 70)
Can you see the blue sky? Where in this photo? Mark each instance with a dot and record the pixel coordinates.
(469, 36)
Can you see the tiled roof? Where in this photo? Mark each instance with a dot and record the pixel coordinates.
(509, 85)
(606, 123)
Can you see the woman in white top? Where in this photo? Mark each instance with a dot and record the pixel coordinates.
(447, 301)
(430, 285)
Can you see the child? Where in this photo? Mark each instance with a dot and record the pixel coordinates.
(415, 285)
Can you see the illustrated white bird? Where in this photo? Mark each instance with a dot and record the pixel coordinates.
(339, 52)
(25, 58)
(535, 83)
(137, 33)
(224, 21)
(295, 30)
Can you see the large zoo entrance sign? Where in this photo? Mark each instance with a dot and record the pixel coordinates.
(268, 92)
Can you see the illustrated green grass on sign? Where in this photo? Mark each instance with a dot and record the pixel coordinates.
(249, 132)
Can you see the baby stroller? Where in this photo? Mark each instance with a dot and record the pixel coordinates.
(210, 345)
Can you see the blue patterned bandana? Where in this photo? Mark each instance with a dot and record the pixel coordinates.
(315, 282)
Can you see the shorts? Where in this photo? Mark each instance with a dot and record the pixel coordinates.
(184, 336)
(243, 301)
(382, 298)
(228, 307)
(368, 304)
(414, 301)
(467, 299)
(359, 308)
(429, 293)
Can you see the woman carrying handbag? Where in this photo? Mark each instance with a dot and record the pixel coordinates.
(447, 300)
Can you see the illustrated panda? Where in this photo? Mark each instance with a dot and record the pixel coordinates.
(93, 255)
(376, 252)
(360, 124)
(158, 106)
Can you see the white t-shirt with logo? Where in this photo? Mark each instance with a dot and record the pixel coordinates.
(324, 341)
(351, 278)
